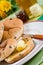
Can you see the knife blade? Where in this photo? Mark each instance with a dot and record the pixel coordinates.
(36, 36)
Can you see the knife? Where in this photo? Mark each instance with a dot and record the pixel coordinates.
(36, 36)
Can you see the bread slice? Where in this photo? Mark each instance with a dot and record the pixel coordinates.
(6, 48)
(19, 55)
(13, 28)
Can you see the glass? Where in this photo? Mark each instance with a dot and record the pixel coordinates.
(25, 4)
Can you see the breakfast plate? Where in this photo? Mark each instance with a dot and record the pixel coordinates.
(31, 28)
(34, 28)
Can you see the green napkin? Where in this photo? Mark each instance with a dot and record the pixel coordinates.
(36, 60)
(41, 18)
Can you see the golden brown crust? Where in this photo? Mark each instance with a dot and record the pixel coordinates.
(12, 27)
(1, 30)
(5, 35)
(12, 23)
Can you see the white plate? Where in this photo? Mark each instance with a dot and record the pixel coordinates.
(31, 28)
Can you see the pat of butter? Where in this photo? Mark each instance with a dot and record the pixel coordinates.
(20, 45)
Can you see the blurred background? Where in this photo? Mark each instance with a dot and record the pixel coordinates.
(23, 9)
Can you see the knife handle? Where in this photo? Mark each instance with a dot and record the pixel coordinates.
(38, 37)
